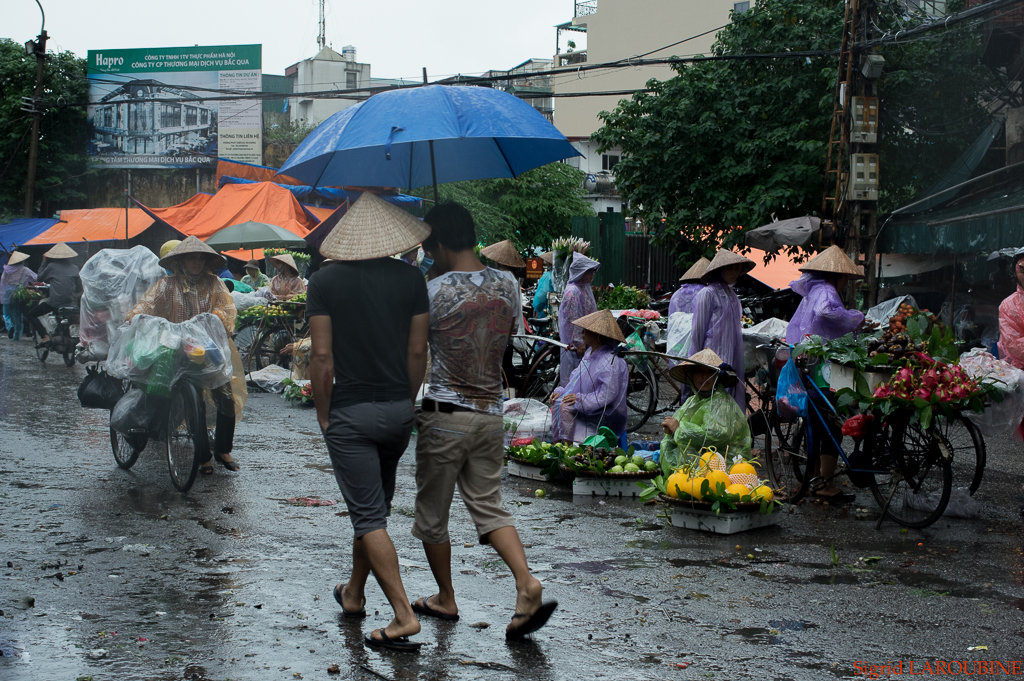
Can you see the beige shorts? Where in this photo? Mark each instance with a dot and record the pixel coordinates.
(466, 448)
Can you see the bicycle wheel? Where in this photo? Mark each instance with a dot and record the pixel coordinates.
(641, 398)
(968, 447)
(186, 435)
(41, 353)
(244, 339)
(915, 489)
(542, 378)
(126, 448)
(268, 349)
(668, 389)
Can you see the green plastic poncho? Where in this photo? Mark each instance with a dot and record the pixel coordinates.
(715, 420)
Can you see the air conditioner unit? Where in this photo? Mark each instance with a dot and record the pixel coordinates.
(864, 120)
(863, 177)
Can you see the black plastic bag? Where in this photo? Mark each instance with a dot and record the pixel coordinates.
(99, 390)
(134, 412)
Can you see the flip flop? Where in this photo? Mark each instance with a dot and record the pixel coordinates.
(337, 596)
(401, 644)
(425, 609)
(206, 468)
(533, 622)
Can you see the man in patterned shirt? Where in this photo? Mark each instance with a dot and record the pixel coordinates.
(473, 311)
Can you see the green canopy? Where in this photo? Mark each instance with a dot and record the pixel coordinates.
(251, 235)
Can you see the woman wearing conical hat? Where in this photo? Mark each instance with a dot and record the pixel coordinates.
(62, 275)
(717, 315)
(16, 274)
(286, 283)
(595, 394)
(821, 312)
(680, 309)
(710, 417)
(577, 301)
(193, 289)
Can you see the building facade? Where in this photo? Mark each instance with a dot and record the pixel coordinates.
(328, 70)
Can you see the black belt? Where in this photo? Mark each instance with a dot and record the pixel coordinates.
(443, 407)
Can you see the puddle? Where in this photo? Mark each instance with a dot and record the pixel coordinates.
(597, 567)
(25, 485)
(662, 545)
(642, 527)
(622, 594)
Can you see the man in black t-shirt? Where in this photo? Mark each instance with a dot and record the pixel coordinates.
(369, 317)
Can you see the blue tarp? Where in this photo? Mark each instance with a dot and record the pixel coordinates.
(303, 191)
(21, 230)
(419, 136)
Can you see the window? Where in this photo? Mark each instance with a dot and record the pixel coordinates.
(108, 117)
(204, 116)
(609, 162)
(170, 115)
(741, 7)
(191, 115)
(351, 80)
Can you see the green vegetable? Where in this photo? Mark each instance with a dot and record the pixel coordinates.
(632, 468)
(621, 460)
(638, 460)
(650, 466)
(615, 469)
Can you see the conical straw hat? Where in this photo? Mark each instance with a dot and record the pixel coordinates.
(17, 257)
(706, 358)
(832, 259)
(503, 253)
(60, 252)
(191, 244)
(725, 258)
(696, 271)
(548, 257)
(602, 323)
(284, 259)
(373, 228)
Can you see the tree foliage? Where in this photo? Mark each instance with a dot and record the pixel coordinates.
(728, 145)
(531, 209)
(61, 164)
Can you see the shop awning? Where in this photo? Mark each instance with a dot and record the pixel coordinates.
(22, 230)
(95, 224)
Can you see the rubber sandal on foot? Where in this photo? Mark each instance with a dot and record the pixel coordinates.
(532, 622)
(425, 609)
(357, 614)
(401, 644)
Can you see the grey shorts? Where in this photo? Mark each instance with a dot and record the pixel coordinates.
(464, 448)
(365, 442)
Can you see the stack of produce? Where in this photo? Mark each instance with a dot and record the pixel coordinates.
(705, 480)
(602, 461)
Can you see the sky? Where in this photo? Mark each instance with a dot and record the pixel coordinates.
(397, 38)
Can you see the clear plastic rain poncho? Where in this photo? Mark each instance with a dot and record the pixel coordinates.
(713, 421)
(156, 353)
(577, 301)
(717, 325)
(821, 312)
(13, 277)
(600, 384)
(113, 282)
(1011, 328)
(680, 319)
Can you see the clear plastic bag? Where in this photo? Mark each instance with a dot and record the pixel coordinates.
(883, 312)
(680, 325)
(243, 301)
(999, 418)
(113, 281)
(156, 353)
(961, 503)
(790, 395)
(714, 421)
(526, 419)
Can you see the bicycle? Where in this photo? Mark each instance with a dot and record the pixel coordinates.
(533, 369)
(265, 341)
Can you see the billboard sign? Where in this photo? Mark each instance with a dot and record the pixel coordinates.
(174, 107)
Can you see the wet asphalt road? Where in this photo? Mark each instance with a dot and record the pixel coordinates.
(127, 579)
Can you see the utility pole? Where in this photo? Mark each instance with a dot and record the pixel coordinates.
(321, 39)
(38, 48)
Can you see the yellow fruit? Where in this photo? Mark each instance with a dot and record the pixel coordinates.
(678, 481)
(743, 468)
(715, 477)
(712, 461)
(739, 489)
(762, 492)
(743, 479)
(693, 487)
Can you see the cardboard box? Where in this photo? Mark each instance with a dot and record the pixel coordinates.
(522, 470)
(607, 487)
(724, 523)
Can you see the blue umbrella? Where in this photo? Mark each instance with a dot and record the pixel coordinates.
(428, 135)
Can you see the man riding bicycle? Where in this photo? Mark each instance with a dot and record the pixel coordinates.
(193, 289)
(62, 276)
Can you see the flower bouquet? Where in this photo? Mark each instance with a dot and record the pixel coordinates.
(297, 392)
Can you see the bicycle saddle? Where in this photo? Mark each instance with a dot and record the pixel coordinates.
(539, 321)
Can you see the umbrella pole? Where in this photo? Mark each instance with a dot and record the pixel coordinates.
(433, 171)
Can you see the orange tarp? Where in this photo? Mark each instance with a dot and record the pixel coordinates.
(237, 203)
(251, 172)
(183, 213)
(321, 212)
(94, 224)
(778, 273)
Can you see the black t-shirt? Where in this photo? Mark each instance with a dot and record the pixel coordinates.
(371, 304)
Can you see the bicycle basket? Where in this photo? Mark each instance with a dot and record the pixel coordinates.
(791, 396)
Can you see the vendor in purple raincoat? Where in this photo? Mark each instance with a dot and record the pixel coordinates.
(577, 301)
(821, 312)
(16, 274)
(717, 315)
(595, 394)
(680, 309)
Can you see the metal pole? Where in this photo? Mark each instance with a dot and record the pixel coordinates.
(433, 171)
(37, 98)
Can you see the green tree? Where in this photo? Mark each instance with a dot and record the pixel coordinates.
(723, 146)
(61, 165)
(531, 209)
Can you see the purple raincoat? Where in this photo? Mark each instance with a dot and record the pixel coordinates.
(599, 383)
(577, 301)
(13, 277)
(717, 325)
(682, 300)
(821, 312)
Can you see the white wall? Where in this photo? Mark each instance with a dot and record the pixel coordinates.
(326, 71)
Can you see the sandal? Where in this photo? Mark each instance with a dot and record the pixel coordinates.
(206, 468)
(402, 643)
(425, 609)
(533, 622)
(348, 613)
(230, 465)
